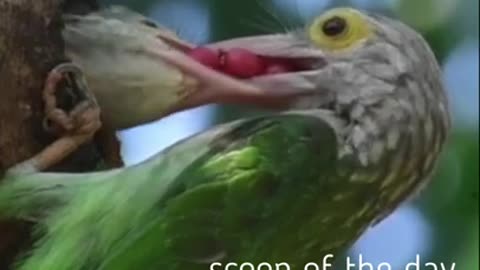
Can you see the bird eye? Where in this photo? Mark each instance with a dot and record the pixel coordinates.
(334, 26)
(339, 29)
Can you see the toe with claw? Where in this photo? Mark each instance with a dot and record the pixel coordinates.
(75, 87)
(74, 127)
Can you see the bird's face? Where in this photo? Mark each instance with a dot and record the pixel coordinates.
(345, 56)
(345, 60)
(377, 75)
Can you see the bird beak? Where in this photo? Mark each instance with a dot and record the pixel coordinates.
(266, 90)
(304, 60)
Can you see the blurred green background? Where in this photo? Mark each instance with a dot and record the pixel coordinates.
(442, 224)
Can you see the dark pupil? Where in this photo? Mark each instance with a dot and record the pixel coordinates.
(334, 26)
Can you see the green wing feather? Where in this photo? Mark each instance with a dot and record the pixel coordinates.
(239, 202)
(239, 192)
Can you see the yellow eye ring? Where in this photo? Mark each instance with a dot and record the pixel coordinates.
(339, 29)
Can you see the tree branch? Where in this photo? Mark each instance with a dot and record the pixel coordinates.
(30, 45)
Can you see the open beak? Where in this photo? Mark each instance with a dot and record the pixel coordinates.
(266, 90)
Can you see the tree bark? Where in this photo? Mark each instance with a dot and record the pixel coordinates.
(30, 45)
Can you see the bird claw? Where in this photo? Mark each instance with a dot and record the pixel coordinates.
(82, 122)
(74, 128)
(58, 120)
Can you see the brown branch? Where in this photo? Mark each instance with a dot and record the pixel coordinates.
(30, 45)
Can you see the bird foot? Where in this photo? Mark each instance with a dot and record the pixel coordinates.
(58, 120)
(74, 128)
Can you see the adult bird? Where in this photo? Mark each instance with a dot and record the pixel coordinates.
(122, 76)
(290, 187)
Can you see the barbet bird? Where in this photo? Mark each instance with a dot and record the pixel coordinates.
(122, 76)
(290, 187)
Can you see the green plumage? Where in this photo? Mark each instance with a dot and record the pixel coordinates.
(248, 191)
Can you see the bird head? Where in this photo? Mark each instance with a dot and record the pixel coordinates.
(375, 74)
(344, 57)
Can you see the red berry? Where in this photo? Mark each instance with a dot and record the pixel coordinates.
(242, 63)
(206, 56)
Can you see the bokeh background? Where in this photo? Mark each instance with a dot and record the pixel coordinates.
(442, 224)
